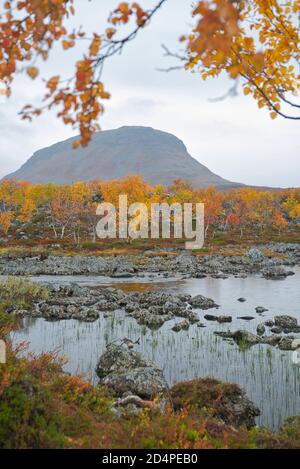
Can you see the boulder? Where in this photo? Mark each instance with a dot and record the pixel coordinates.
(246, 338)
(210, 317)
(125, 371)
(144, 382)
(289, 343)
(255, 255)
(269, 323)
(118, 358)
(275, 272)
(271, 340)
(260, 309)
(179, 326)
(224, 401)
(286, 322)
(260, 329)
(222, 319)
(202, 302)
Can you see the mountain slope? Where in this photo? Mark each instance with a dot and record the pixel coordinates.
(157, 156)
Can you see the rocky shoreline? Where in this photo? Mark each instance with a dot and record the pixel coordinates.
(153, 309)
(137, 383)
(275, 266)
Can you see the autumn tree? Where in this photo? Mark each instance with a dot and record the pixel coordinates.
(6, 219)
(256, 42)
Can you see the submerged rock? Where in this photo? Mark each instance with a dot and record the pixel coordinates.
(241, 337)
(246, 338)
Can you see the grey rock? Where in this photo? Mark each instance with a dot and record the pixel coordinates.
(276, 330)
(284, 321)
(202, 302)
(183, 325)
(126, 371)
(260, 309)
(260, 329)
(210, 317)
(269, 323)
(246, 318)
(274, 273)
(222, 319)
(255, 255)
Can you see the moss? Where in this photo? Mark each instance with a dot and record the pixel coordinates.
(200, 394)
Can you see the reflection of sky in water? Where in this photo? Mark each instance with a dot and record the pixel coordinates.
(266, 373)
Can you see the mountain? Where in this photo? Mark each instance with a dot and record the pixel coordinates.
(158, 157)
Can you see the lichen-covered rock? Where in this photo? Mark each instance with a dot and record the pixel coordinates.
(118, 358)
(179, 326)
(227, 402)
(260, 309)
(255, 255)
(241, 337)
(260, 329)
(126, 371)
(246, 338)
(222, 319)
(276, 272)
(289, 343)
(202, 302)
(286, 322)
(145, 382)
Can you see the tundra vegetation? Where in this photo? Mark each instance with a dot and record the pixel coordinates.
(43, 407)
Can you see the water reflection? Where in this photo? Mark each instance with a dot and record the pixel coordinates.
(266, 373)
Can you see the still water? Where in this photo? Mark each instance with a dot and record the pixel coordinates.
(269, 375)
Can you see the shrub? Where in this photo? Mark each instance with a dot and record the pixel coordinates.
(20, 292)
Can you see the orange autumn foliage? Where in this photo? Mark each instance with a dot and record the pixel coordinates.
(255, 41)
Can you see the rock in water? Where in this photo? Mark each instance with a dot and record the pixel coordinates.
(276, 272)
(179, 326)
(260, 329)
(285, 321)
(126, 371)
(200, 301)
(260, 309)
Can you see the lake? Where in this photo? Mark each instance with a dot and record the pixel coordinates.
(268, 374)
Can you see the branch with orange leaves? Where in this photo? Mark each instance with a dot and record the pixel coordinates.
(81, 97)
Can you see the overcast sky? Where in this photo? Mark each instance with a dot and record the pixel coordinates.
(233, 137)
